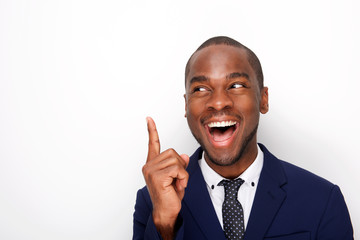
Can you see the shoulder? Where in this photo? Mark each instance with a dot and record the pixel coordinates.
(304, 182)
(303, 176)
(318, 204)
(294, 178)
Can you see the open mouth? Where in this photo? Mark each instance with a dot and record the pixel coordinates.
(222, 131)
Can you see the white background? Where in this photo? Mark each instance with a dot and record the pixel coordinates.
(78, 78)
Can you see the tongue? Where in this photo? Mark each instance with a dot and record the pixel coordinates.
(220, 136)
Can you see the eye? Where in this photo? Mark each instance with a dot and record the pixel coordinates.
(237, 85)
(199, 89)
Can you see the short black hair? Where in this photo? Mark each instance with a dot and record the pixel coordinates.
(223, 40)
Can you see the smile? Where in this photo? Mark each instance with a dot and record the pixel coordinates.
(221, 132)
(221, 124)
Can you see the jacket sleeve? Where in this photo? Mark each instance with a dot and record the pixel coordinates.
(335, 223)
(144, 227)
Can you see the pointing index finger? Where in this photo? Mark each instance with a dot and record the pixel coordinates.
(154, 142)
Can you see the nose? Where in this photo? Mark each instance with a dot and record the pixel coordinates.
(219, 100)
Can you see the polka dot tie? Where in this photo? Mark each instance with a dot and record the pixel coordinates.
(233, 214)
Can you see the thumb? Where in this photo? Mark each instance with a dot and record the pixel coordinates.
(182, 183)
(186, 158)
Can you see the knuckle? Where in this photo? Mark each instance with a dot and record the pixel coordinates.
(172, 160)
(170, 151)
(145, 170)
(178, 167)
(151, 178)
(175, 167)
(154, 142)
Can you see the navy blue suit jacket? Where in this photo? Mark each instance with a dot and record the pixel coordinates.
(290, 204)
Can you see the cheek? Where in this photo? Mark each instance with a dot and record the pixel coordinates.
(194, 109)
(249, 107)
(193, 115)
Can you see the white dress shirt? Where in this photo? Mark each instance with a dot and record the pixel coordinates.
(246, 192)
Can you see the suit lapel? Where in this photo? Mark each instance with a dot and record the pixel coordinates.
(198, 201)
(268, 198)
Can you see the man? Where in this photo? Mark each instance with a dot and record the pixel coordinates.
(232, 187)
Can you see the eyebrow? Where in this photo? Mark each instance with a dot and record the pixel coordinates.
(198, 79)
(202, 78)
(237, 75)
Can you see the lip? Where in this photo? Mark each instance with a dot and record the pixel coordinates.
(225, 143)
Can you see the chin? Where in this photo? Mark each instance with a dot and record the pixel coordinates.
(223, 159)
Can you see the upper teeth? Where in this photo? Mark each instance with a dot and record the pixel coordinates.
(221, 124)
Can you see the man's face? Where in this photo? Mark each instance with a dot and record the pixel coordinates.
(223, 102)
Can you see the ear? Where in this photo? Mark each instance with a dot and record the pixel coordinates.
(185, 104)
(264, 101)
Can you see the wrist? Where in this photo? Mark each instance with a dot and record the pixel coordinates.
(165, 225)
(163, 220)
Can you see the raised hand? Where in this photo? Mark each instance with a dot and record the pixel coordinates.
(166, 180)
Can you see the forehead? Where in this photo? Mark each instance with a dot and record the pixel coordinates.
(217, 61)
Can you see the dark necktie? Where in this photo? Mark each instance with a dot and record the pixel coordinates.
(232, 211)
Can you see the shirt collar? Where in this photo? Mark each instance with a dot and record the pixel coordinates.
(251, 175)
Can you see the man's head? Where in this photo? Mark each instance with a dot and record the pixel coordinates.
(222, 40)
(224, 98)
